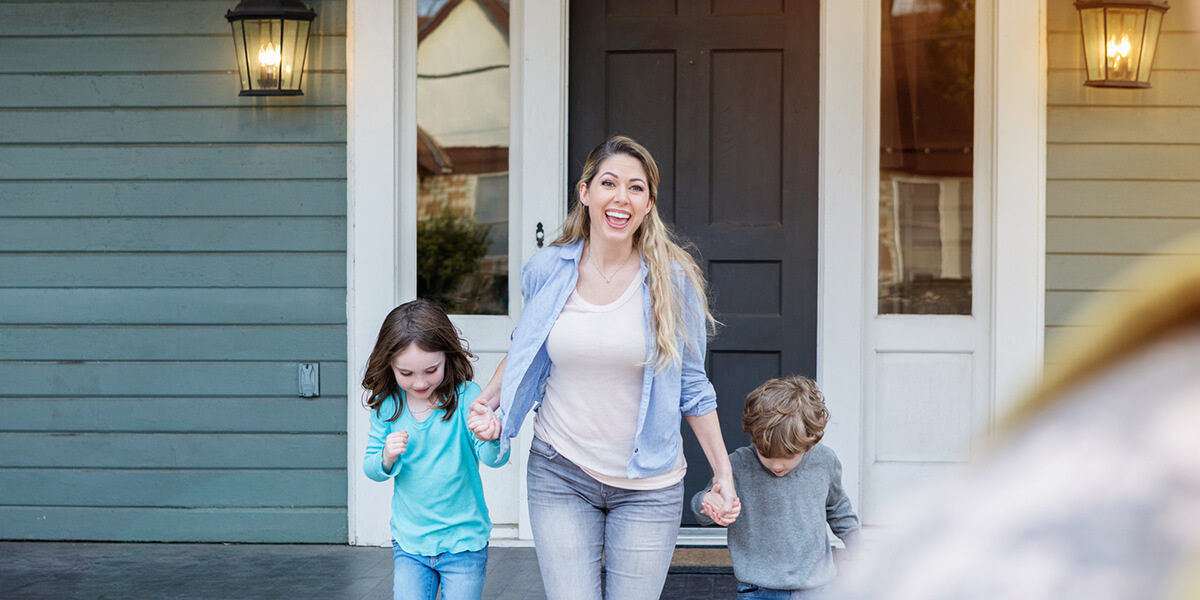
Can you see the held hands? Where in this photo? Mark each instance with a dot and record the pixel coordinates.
(721, 504)
(483, 421)
(395, 445)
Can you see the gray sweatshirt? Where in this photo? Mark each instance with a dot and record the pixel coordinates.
(779, 540)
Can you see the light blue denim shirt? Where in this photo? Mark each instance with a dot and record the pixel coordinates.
(547, 280)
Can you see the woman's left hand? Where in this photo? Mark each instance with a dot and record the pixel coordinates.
(731, 505)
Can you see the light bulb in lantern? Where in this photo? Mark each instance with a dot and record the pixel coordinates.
(268, 56)
(1118, 51)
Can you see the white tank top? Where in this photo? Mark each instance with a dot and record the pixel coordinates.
(594, 390)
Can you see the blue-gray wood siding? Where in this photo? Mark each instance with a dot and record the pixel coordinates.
(169, 252)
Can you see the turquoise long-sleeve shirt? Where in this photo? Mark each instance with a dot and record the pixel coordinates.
(437, 499)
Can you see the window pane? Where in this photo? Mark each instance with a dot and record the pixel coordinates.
(926, 155)
(462, 155)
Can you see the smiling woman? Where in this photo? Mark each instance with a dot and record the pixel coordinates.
(612, 356)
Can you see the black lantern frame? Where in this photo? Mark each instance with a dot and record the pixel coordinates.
(1120, 39)
(270, 39)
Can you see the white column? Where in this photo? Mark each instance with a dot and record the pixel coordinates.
(842, 279)
(1019, 222)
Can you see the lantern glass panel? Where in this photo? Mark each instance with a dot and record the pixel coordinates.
(239, 48)
(295, 45)
(1150, 45)
(264, 39)
(1123, 46)
(1094, 53)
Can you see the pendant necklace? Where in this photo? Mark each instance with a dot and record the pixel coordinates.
(608, 278)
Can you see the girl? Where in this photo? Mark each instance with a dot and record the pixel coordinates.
(418, 380)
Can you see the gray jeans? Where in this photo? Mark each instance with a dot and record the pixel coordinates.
(576, 519)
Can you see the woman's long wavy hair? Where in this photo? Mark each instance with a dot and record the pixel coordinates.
(425, 324)
(659, 247)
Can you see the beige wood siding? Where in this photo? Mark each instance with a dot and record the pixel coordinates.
(1123, 166)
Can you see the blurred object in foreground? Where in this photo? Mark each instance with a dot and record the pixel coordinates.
(1092, 489)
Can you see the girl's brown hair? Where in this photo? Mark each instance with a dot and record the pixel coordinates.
(659, 247)
(785, 417)
(425, 324)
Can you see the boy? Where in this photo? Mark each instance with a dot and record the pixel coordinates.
(790, 487)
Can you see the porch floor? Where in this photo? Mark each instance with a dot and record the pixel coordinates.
(98, 571)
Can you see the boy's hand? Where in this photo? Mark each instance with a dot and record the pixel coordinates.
(483, 422)
(715, 506)
(394, 445)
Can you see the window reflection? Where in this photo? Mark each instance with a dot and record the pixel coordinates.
(462, 154)
(926, 139)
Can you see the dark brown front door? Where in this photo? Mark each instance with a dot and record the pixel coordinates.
(724, 93)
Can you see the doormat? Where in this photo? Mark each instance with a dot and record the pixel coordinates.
(701, 560)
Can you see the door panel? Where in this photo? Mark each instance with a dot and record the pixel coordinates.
(725, 95)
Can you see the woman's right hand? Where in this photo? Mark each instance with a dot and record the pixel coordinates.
(394, 445)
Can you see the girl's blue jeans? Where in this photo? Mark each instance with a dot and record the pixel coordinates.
(576, 520)
(460, 574)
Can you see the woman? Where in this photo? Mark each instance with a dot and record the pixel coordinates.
(610, 351)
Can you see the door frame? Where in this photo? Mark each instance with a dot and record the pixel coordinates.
(381, 51)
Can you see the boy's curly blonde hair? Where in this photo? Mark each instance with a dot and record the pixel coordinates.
(785, 417)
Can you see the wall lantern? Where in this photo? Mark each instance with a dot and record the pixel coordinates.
(1119, 40)
(270, 38)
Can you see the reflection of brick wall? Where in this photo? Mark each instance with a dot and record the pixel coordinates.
(455, 191)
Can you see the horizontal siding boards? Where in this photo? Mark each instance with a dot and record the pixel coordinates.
(189, 198)
(1112, 124)
(1169, 88)
(323, 414)
(158, 90)
(1115, 236)
(174, 343)
(1098, 272)
(261, 525)
(174, 306)
(154, 379)
(169, 251)
(159, 17)
(214, 161)
(217, 270)
(174, 126)
(1156, 162)
(1062, 342)
(202, 234)
(1087, 198)
(146, 54)
(1067, 308)
(173, 450)
(250, 488)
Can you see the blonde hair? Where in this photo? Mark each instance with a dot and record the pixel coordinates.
(659, 247)
(785, 417)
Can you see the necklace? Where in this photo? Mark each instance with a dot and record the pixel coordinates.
(608, 278)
